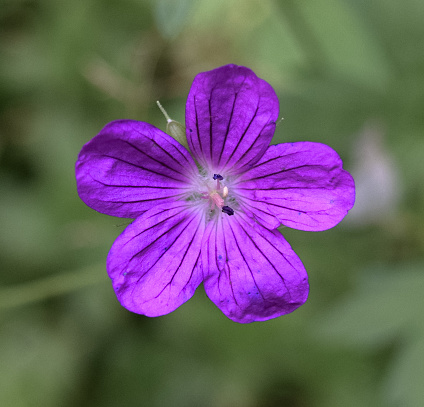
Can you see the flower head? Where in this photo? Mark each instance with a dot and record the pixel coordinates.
(210, 214)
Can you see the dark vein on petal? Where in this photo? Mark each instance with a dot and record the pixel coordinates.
(210, 129)
(223, 271)
(194, 267)
(158, 161)
(228, 128)
(244, 259)
(183, 257)
(247, 128)
(278, 172)
(146, 247)
(243, 135)
(169, 247)
(142, 168)
(227, 263)
(252, 145)
(198, 130)
(136, 186)
(255, 208)
(272, 204)
(165, 151)
(192, 270)
(263, 254)
(299, 153)
(282, 254)
(182, 206)
(147, 200)
(153, 226)
(286, 207)
(283, 188)
(278, 157)
(216, 256)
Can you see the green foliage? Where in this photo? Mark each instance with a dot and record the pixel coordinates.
(171, 15)
(68, 68)
(385, 310)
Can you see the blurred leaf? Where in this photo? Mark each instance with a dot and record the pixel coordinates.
(39, 364)
(171, 15)
(346, 43)
(404, 385)
(263, 44)
(388, 302)
(27, 232)
(398, 28)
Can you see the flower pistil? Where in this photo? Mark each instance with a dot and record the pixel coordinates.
(217, 195)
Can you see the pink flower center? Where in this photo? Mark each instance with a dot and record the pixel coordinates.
(217, 196)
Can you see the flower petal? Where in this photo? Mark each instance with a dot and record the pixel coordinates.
(131, 166)
(301, 185)
(230, 118)
(253, 274)
(154, 263)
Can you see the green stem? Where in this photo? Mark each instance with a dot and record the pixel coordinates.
(51, 286)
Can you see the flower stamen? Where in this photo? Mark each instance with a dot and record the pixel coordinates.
(228, 210)
(217, 195)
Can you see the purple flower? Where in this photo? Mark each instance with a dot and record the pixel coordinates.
(210, 214)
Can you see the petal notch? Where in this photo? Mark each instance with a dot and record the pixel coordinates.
(250, 272)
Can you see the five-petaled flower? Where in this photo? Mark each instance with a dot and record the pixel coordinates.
(211, 214)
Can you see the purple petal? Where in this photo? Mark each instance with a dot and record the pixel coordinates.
(131, 166)
(154, 263)
(230, 118)
(301, 185)
(253, 274)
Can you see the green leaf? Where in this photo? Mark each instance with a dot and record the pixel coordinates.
(346, 43)
(388, 304)
(171, 15)
(40, 365)
(404, 386)
(389, 300)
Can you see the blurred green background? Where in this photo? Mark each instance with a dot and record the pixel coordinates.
(348, 73)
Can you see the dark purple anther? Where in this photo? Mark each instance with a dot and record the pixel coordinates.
(218, 177)
(228, 210)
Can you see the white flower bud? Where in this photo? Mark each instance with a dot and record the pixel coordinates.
(174, 128)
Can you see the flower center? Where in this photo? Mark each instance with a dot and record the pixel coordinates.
(217, 195)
